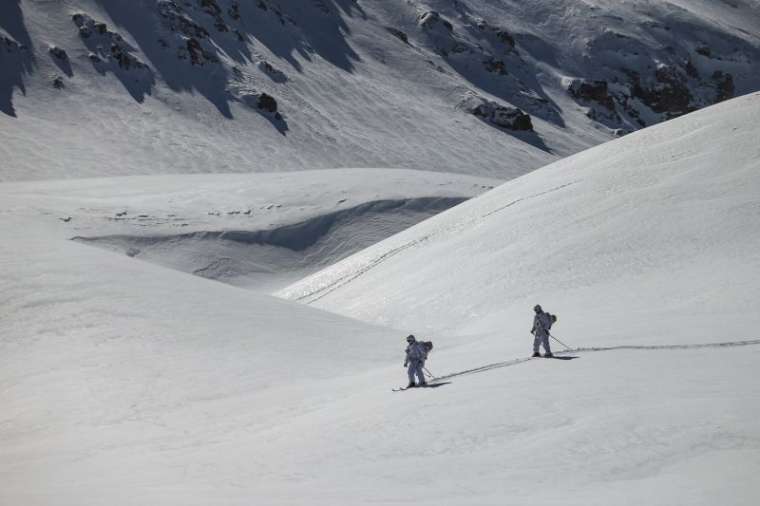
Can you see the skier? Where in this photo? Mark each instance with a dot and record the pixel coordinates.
(542, 322)
(416, 353)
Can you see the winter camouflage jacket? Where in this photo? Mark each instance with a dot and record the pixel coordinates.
(542, 322)
(416, 352)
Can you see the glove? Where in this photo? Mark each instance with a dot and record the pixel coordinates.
(406, 364)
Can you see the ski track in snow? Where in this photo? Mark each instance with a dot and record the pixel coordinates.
(666, 347)
(313, 296)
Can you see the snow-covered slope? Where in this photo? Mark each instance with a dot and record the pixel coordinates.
(125, 383)
(262, 231)
(653, 238)
(104, 87)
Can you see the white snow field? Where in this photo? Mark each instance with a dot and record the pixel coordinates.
(260, 230)
(128, 383)
(651, 238)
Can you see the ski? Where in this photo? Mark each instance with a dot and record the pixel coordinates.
(429, 385)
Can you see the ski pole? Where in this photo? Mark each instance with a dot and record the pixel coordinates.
(430, 374)
(560, 342)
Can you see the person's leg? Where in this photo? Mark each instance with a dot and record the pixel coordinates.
(536, 343)
(410, 373)
(420, 374)
(545, 340)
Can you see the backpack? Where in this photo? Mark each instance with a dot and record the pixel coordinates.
(427, 347)
(553, 319)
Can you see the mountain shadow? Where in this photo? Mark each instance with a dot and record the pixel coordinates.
(194, 46)
(16, 55)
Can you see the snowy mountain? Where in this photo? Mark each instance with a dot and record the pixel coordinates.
(181, 379)
(635, 240)
(127, 383)
(492, 88)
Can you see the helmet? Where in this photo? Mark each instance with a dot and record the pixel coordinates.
(537, 308)
(410, 338)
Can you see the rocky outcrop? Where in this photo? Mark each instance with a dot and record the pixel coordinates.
(190, 37)
(591, 91)
(434, 22)
(511, 118)
(724, 85)
(403, 37)
(668, 93)
(499, 35)
(495, 66)
(106, 46)
(275, 74)
(58, 53)
(267, 103)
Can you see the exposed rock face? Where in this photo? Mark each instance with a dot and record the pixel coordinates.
(496, 114)
(190, 37)
(433, 21)
(500, 35)
(267, 103)
(495, 66)
(724, 85)
(668, 93)
(59, 53)
(592, 91)
(398, 34)
(106, 45)
(275, 74)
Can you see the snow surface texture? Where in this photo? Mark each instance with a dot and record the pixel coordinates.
(125, 383)
(109, 87)
(635, 240)
(261, 231)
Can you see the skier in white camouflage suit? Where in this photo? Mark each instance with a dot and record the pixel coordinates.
(542, 322)
(416, 354)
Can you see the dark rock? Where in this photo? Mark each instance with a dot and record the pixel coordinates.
(512, 118)
(198, 56)
(274, 73)
(669, 94)
(234, 10)
(431, 20)
(724, 84)
(210, 7)
(505, 38)
(177, 21)
(58, 83)
(691, 70)
(398, 34)
(267, 103)
(496, 114)
(595, 91)
(495, 66)
(59, 53)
